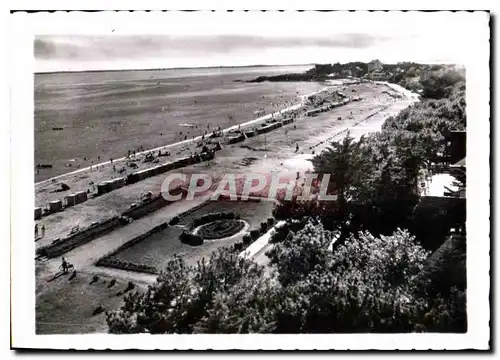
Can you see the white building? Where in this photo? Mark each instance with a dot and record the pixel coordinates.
(375, 65)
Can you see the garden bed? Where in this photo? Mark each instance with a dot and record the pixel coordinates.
(220, 229)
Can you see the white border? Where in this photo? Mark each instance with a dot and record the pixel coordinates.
(20, 65)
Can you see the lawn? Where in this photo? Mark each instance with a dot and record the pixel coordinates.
(65, 306)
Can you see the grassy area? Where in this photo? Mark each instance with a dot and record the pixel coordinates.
(157, 249)
(66, 306)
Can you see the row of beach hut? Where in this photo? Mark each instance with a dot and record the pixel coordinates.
(55, 206)
(140, 175)
(264, 128)
(324, 108)
(110, 185)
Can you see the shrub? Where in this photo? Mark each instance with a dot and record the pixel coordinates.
(238, 246)
(263, 227)
(191, 239)
(128, 266)
(254, 234)
(247, 239)
(130, 286)
(270, 222)
(97, 310)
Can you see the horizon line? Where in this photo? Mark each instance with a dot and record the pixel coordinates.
(233, 67)
(169, 68)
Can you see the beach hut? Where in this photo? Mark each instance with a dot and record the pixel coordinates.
(55, 206)
(119, 182)
(80, 197)
(70, 200)
(38, 213)
(250, 133)
(236, 139)
(102, 188)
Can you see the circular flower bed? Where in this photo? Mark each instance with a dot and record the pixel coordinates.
(219, 229)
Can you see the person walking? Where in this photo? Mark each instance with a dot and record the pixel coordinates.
(64, 265)
(36, 230)
(43, 230)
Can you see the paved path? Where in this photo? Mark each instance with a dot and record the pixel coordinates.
(374, 123)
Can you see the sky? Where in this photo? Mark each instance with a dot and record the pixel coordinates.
(165, 40)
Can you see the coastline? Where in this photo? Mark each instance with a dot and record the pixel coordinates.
(188, 141)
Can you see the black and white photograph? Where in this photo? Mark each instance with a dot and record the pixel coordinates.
(301, 175)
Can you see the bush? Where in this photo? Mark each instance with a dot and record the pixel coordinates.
(270, 222)
(191, 239)
(263, 227)
(238, 246)
(130, 286)
(174, 221)
(97, 310)
(247, 239)
(254, 234)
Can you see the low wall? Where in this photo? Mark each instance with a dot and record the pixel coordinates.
(236, 139)
(268, 128)
(146, 207)
(61, 246)
(160, 169)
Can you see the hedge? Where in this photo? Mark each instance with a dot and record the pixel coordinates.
(247, 239)
(254, 234)
(125, 265)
